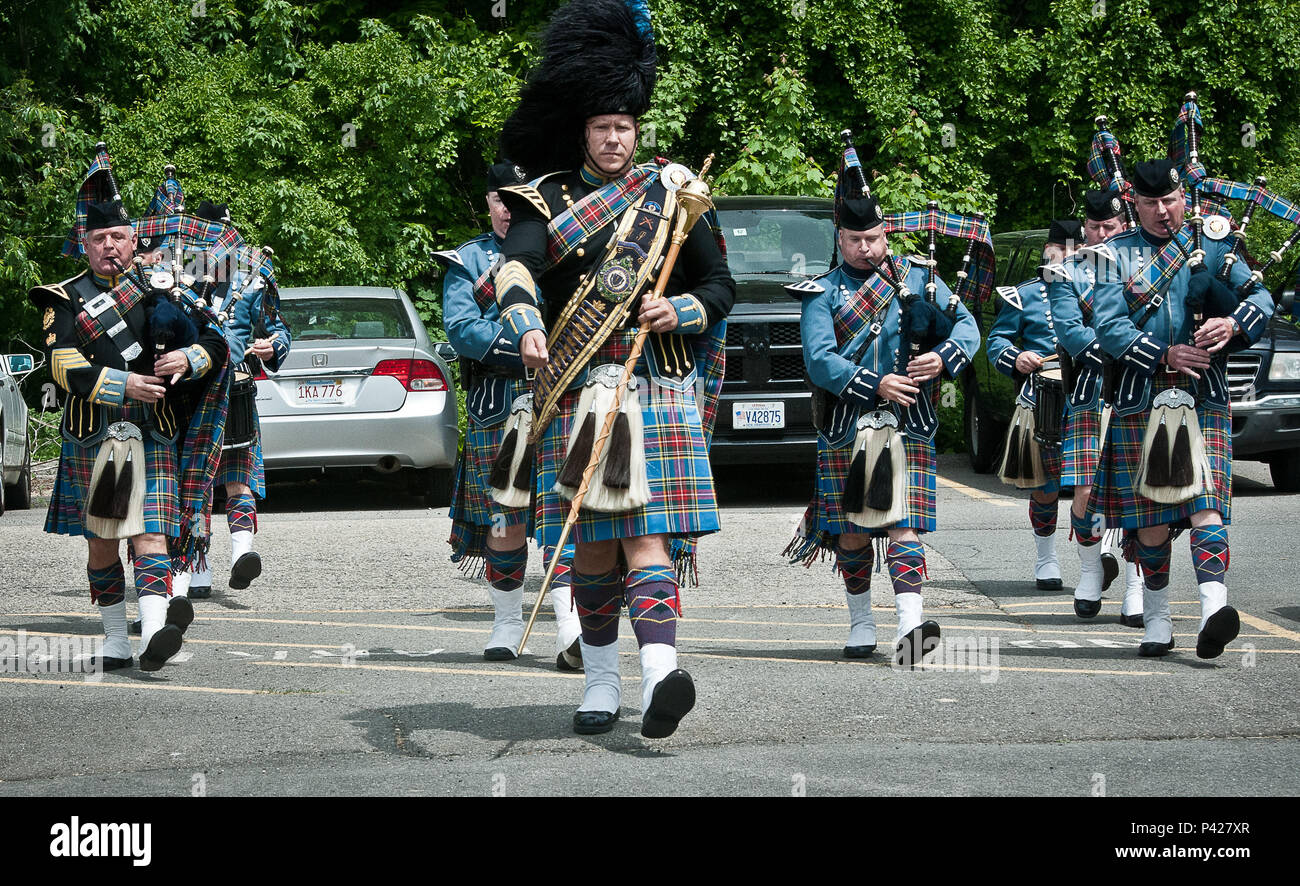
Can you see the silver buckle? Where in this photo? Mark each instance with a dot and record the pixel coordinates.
(99, 304)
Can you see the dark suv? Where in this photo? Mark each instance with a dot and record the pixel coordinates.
(1264, 379)
(765, 414)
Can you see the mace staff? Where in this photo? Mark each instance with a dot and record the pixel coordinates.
(695, 200)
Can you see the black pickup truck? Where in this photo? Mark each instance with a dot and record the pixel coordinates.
(1264, 379)
(765, 414)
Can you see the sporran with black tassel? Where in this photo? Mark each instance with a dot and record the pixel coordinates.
(875, 495)
(511, 478)
(620, 482)
(115, 497)
(1174, 462)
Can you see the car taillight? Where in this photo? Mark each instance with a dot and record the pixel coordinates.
(415, 375)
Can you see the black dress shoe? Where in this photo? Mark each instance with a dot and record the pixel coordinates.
(860, 651)
(109, 663)
(162, 646)
(672, 699)
(594, 722)
(1132, 621)
(246, 568)
(1109, 570)
(1155, 650)
(1086, 608)
(920, 640)
(499, 653)
(570, 659)
(180, 612)
(1048, 584)
(1220, 629)
(136, 626)
(202, 592)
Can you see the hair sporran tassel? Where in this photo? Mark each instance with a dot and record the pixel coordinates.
(1011, 468)
(122, 489)
(580, 453)
(524, 476)
(855, 486)
(1158, 458)
(1027, 446)
(1180, 460)
(618, 458)
(101, 498)
(880, 491)
(499, 478)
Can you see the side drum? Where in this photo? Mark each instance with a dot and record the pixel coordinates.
(1049, 406)
(241, 418)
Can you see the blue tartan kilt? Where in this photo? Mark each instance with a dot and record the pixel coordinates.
(1080, 447)
(682, 500)
(77, 463)
(473, 509)
(1114, 494)
(244, 465)
(825, 516)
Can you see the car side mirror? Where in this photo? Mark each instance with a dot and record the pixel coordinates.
(444, 350)
(20, 365)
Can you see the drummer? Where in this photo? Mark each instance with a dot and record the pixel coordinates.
(1025, 317)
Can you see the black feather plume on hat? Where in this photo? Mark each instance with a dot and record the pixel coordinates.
(597, 59)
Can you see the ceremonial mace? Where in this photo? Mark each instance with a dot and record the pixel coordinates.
(695, 200)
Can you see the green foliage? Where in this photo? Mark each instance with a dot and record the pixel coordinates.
(352, 135)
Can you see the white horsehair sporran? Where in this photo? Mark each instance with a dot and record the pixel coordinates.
(875, 493)
(511, 478)
(1174, 466)
(114, 506)
(620, 482)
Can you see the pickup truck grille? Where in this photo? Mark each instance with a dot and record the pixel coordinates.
(777, 353)
(1243, 369)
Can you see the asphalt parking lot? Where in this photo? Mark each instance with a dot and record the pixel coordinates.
(353, 666)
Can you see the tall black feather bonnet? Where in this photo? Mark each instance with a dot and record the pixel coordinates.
(598, 58)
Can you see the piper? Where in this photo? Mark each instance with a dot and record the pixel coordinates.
(862, 326)
(1167, 460)
(120, 467)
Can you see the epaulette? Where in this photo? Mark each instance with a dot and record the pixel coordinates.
(452, 256)
(1055, 272)
(803, 287)
(55, 290)
(1101, 252)
(1011, 295)
(531, 193)
(449, 257)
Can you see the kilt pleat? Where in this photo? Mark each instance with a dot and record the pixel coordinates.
(1115, 494)
(825, 517)
(473, 510)
(1080, 446)
(77, 463)
(682, 500)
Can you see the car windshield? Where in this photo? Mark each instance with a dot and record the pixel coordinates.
(796, 242)
(314, 319)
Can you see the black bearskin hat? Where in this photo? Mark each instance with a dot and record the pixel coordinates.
(598, 58)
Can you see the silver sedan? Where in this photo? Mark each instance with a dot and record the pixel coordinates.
(15, 443)
(362, 387)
